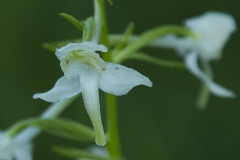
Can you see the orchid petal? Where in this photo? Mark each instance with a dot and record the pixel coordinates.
(23, 152)
(191, 64)
(89, 83)
(119, 80)
(213, 30)
(62, 89)
(86, 46)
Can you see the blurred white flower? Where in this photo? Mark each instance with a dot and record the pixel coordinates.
(212, 30)
(20, 146)
(85, 72)
(11, 149)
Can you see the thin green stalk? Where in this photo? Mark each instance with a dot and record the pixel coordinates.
(148, 37)
(165, 63)
(113, 143)
(204, 92)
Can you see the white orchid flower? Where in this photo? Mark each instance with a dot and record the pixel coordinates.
(20, 146)
(85, 72)
(11, 149)
(212, 30)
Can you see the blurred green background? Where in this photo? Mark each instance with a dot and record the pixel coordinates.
(155, 123)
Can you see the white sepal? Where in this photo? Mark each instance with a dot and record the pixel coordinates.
(63, 89)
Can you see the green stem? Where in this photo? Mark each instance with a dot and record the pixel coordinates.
(29, 133)
(100, 8)
(148, 37)
(113, 143)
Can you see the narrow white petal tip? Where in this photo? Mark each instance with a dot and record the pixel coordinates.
(220, 91)
(216, 89)
(36, 96)
(102, 48)
(148, 82)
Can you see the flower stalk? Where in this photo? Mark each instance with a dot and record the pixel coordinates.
(113, 141)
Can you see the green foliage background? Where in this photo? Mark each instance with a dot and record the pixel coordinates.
(155, 123)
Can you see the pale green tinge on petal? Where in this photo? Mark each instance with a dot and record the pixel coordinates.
(89, 84)
(85, 46)
(191, 64)
(119, 80)
(70, 64)
(63, 89)
(73, 55)
(92, 59)
(213, 30)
